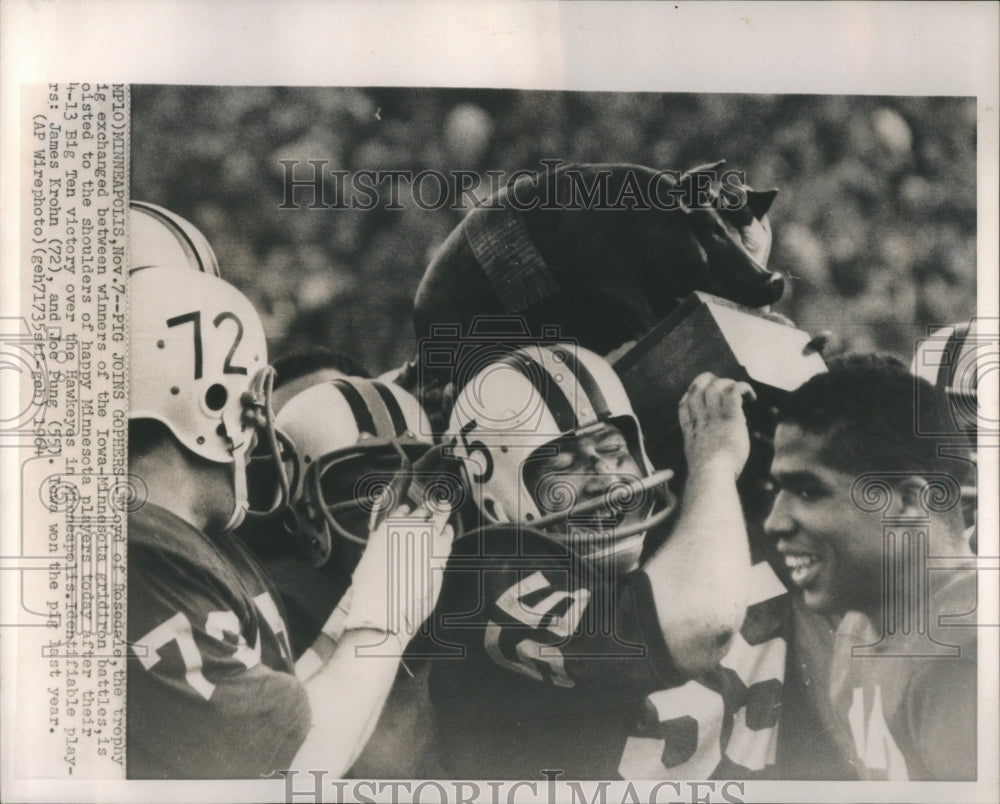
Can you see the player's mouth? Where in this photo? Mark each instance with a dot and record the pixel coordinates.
(601, 520)
(803, 562)
(803, 567)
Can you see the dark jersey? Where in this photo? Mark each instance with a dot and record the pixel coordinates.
(308, 594)
(905, 703)
(807, 745)
(555, 666)
(211, 685)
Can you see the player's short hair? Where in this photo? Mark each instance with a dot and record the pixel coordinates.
(305, 361)
(868, 407)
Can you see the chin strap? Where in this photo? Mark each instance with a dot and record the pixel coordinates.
(259, 414)
(621, 555)
(254, 416)
(240, 501)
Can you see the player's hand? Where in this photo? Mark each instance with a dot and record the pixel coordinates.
(397, 582)
(713, 423)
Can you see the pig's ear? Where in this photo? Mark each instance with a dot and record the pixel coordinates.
(711, 167)
(760, 201)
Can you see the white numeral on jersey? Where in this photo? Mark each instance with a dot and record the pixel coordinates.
(177, 629)
(219, 623)
(512, 602)
(875, 746)
(530, 652)
(269, 611)
(643, 756)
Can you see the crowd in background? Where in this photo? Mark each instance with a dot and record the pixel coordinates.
(874, 223)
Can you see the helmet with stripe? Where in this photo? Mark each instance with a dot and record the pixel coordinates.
(950, 359)
(529, 405)
(158, 237)
(350, 439)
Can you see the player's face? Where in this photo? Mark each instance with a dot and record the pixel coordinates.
(345, 486)
(582, 468)
(832, 549)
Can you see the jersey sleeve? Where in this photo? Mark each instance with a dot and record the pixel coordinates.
(209, 694)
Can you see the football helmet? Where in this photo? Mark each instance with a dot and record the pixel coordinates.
(198, 364)
(519, 407)
(950, 359)
(353, 445)
(159, 237)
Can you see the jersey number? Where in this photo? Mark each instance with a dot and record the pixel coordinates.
(480, 447)
(875, 746)
(531, 653)
(195, 319)
(217, 624)
(177, 629)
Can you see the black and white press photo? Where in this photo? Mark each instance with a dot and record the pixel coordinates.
(551, 402)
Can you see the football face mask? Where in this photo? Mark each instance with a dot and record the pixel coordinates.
(543, 402)
(355, 443)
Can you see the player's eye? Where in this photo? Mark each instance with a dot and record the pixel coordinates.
(561, 462)
(800, 489)
(806, 493)
(611, 446)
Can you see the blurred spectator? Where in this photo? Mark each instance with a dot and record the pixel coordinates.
(875, 224)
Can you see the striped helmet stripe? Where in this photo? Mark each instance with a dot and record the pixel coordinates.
(188, 245)
(586, 380)
(392, 407)
(359, 410)
(384, 425)
(950, 358)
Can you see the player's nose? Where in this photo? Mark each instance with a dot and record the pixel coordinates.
(602, 476)
(779, 522)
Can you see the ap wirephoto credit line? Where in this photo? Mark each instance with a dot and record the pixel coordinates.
(423, 443)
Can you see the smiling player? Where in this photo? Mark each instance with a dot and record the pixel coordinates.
(904, 698)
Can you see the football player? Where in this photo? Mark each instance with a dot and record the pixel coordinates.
(211, 683)
(866, 494)
(367, 437)
(310, 588)
(350, 438)
(584, 608)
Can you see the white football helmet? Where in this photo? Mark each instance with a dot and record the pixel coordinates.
(159, 237)
(198, 364)
(521, 403)
(354, 442)
(951, 358)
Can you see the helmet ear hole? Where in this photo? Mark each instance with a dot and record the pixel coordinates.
(216, 396)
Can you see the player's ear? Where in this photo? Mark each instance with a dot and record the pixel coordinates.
(911, 493)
